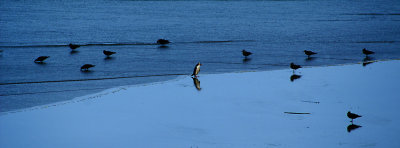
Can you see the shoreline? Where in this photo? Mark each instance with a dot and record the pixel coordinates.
(178, 77)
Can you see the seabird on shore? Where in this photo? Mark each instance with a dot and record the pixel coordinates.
(163, 41)
(294, 66)
(246, 53)
(87, 66)
(352, 116)
(196, 70)
(73, 46)
(41, 59)
(367, 52)
(309, 53)
(108, 53)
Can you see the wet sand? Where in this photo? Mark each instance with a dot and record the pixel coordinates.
(246, 109)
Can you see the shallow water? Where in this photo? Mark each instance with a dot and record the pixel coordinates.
(212, 32)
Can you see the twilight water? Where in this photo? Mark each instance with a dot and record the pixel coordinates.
(211, 32)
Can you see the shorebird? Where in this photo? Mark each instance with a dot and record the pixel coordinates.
(352, 127)
(294, 66)
(196, 70)
(162, 41)
(73, 46)
(352, 116)
(246, 53)
(309, 53)
(87, 66)
(367, 52)
(108, 53)
(41, 59)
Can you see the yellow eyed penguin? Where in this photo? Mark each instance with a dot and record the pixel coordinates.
(196, 70)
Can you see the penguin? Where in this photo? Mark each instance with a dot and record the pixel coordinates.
(352, 116)
(367, 52)
(41, 59)
(294, 66)
(246, 53)
(73, 46)
(309, 53)
(196, 70)
(163, 41)
(87, 66)
(108, 53)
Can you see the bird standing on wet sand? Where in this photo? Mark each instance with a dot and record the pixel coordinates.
(73, 46)
(294, 66)
(108, 53)
(367, 52)
(41, 59)
(87, 66)
(309, 53)
(352, 116)
(196, 70)
(162, 41)
(246, 53)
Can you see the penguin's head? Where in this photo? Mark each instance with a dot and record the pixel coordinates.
(199, 64)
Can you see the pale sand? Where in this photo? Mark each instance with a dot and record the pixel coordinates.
(234, 110)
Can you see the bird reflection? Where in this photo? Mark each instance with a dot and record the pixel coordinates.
(196, 83)
(163, 47)
(294, 77)
(310, 58)
(73, 52)
(352, 127)
(367, 58)
(366, 63)
(108, 58)
(245, 60)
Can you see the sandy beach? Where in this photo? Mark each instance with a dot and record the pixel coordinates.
(232, 110)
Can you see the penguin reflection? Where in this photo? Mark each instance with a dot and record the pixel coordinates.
(294, 77)
(352, 127)
(196, 83)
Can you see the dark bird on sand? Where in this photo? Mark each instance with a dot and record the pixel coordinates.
(367, 52)
(73, 46)
(294, 66)
(352, 116)
(196, 70)
(41, 59)
(108, 53)
(87, 66)
(162, 41)
(309, 53)
(352, 127)
(246, 53)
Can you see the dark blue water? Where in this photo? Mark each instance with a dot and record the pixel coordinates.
(211, 32)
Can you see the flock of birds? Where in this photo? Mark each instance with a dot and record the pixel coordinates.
(196, 70)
